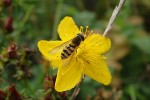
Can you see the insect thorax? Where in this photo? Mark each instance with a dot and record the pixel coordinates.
(69, 49)
(77, 40)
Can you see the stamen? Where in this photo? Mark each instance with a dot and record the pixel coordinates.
(86, 32)
(81, 29)
(91, 32)
(86, 29)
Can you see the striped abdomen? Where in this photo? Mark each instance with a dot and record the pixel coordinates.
(69, 49)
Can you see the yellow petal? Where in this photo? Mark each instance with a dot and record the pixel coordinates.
(96, 68)
(56, 63)
(96, 43)
(45, 47)
(67, 29)
(68, 76)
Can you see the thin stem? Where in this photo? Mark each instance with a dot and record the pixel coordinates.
(76, 90)
(57, 18)
(113, 16)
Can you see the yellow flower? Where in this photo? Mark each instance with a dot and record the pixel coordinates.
(87, 59)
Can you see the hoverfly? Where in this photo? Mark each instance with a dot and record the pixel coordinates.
(68, 48)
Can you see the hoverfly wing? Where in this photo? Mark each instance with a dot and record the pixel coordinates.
(66, 62)
(58, 48)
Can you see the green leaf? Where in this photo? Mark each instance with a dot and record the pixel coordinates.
(142, 42)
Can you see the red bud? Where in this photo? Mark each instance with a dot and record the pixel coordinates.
(7, 2)
(12, 51)
(9, 24)
(48, 82)
(14, 95)
(2, 95)
(62, 94)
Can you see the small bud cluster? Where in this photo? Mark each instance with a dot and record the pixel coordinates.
(9, 24)
(17, 62)
(7, 3)
(6, 23)
(11, 94)
(49, 83)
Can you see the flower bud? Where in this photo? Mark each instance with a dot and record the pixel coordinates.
(7, 2)
(9, 25)
(49, 97)
(14, 95)
(63, 94)
(48, 82)
(12, 51)
(3, 95)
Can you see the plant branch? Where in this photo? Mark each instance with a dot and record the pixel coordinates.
(76, 90)
(113, 16)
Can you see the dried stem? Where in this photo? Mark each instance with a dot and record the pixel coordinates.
(113, 16)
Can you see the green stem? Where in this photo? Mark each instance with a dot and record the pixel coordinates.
(27, 16)
(28, 86)
(23, 22)
(56, 19)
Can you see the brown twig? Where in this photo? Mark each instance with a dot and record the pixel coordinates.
(76, 90)
(113, 16)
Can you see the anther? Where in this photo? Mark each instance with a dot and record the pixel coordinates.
(91, 31)
(81, 28)
(86, 29)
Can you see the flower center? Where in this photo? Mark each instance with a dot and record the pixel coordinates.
(87, 32)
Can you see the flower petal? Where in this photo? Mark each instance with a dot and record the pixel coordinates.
(56, 63)
(96, 68)
(96, 43)
(45, 47)
(68, 76)
(67, 29)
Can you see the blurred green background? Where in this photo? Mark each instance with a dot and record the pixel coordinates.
(24, 22)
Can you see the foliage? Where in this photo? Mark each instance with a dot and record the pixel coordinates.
(24, 22)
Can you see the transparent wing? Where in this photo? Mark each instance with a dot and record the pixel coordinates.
(55, 53)
(58, 48)
(68, 61)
